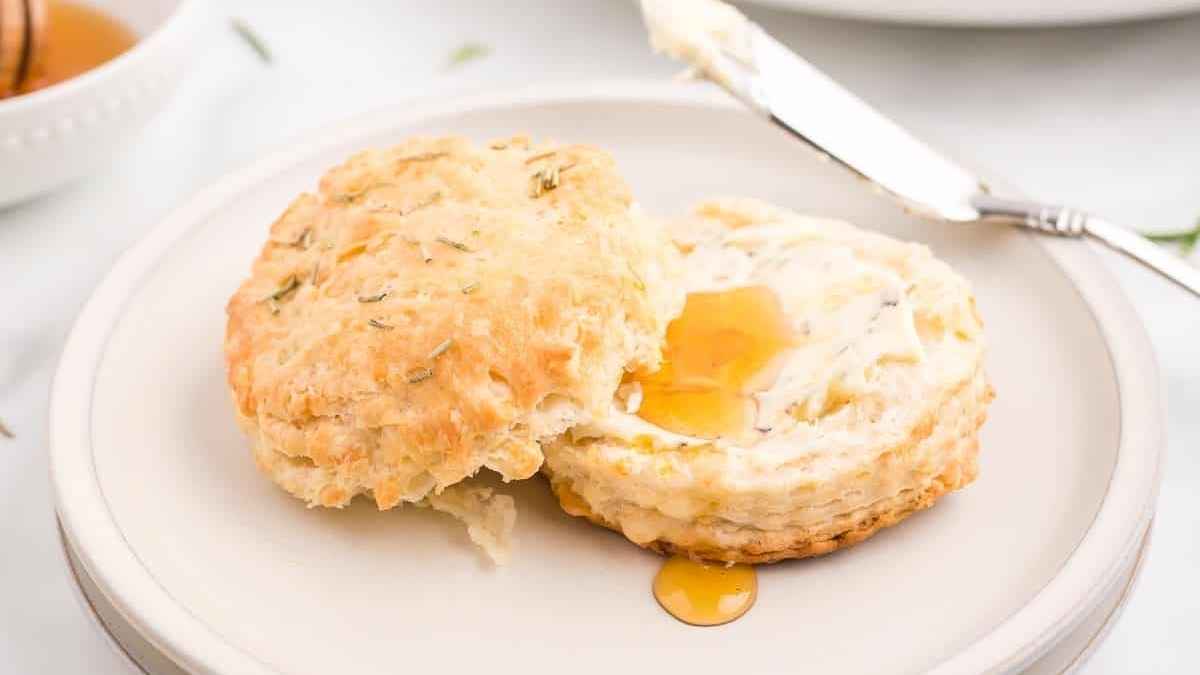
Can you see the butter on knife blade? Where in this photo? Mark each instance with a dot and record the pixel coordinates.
(699, 33)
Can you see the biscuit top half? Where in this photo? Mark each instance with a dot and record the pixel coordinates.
(440, 307)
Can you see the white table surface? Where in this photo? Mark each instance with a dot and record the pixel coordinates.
(1103, 118)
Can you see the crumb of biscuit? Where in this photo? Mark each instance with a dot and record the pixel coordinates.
(489, 516)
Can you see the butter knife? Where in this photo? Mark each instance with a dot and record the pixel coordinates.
(723, 46)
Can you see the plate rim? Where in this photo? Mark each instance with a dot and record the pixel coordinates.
(1105, 547)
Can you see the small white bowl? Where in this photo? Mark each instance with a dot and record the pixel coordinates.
(52, 136)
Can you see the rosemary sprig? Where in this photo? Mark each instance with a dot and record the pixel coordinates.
(546, 179)
(1187, 240)
(544, 155)
(419, 375)
(466, 53)
(637, 278)
(285, 289)
(457, 245)
(6, 432)
(423, 157)
(376, 323)
(352, 197)
(303, 240)
(289, 285)
(354, 251)
(378, 297)
(433, 199)
(441, 348)
(251, 38)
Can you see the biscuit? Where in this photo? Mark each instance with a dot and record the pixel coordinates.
(872, 416)
(439, 307)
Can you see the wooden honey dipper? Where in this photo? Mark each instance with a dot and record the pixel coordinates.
(22, 43)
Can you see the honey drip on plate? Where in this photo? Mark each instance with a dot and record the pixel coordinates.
(704, 594)
(78, 38)
(719, 352)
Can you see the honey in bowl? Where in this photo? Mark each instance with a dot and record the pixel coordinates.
(76, 38)
(705, 594)
(718, 353)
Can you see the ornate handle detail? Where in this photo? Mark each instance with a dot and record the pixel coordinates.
(1058, 220)
(1068, 222)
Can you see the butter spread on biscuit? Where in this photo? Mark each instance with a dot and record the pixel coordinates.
(783, 324)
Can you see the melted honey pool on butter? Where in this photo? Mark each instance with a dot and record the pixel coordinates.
(718, 353)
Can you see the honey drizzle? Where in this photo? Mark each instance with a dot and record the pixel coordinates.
(718, 353)
(705, 594)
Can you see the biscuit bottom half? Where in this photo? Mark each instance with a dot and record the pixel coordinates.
(886, 486)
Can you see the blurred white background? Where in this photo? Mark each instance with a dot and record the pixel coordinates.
(1105, 118)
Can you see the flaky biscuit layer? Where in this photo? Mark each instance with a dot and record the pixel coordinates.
(945, 453)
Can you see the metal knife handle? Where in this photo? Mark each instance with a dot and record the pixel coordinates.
(1068, 222)
(1146, 252)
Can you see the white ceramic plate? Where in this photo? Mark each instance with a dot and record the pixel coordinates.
(992, 12)
(226, 574)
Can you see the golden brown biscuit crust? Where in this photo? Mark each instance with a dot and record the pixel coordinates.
(438, 307)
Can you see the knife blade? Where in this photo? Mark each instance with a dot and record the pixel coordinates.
(721, 45)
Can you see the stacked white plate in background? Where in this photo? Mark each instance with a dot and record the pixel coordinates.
(992, 12)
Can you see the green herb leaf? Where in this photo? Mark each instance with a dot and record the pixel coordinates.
(466, 53)
(251, 38)
(1188, 239)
